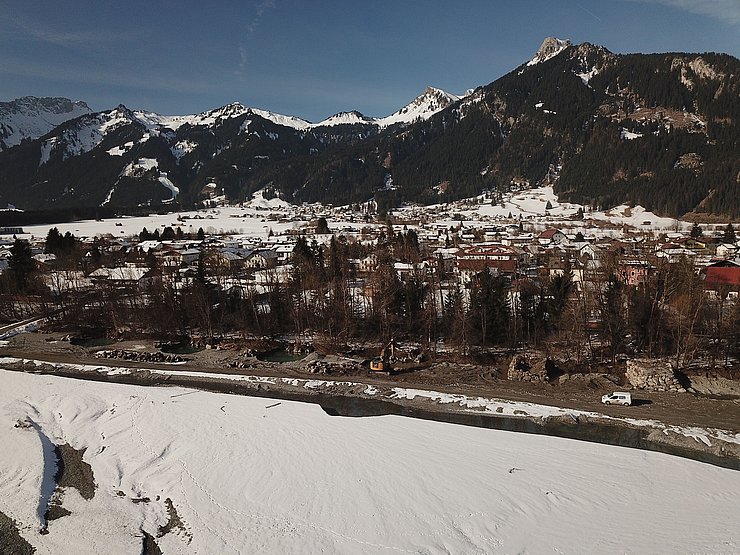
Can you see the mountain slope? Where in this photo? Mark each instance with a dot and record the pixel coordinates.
(30, 117)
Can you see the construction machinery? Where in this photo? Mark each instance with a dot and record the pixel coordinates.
(383, 363)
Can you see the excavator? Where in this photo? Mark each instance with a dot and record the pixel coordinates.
(383, 364)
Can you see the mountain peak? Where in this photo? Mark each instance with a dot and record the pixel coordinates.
(345, 118)
(549, 48)
(428, 103)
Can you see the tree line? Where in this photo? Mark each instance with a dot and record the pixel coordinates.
(587, 311)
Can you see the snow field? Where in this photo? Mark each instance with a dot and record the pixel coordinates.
(256, 475)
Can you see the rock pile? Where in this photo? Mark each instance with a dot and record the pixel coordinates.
(324, 367)
(528, 369)
(140, 356)
(245, 363)
(652, 375)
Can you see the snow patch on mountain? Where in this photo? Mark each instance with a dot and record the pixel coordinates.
(181, 148)
(261, 203)
(164, 180)
(140, 166)
(588, 75)
(628, 135)
(286, 121)
(46, 148)
(121, 150)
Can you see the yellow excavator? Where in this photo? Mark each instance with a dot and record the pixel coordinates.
(383, 364)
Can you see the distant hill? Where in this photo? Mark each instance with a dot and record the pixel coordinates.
(659, 130)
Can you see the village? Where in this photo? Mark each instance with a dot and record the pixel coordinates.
(523, 273)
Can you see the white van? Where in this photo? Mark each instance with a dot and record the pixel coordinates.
(617, 398)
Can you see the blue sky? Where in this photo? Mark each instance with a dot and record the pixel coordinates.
(315, 58)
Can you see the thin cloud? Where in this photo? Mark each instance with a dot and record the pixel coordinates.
(592, 14)
(726, 11)
(263, 7)
(66, 38)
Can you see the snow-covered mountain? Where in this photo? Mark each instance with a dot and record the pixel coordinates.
(85, 133)
(345, 118)
(30, 117)
(421, 108)
(428, 103)
(213, 117)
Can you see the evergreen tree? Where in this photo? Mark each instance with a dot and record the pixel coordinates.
(489, 307)
(322, 226)
(58, 244)
(729, 235)
(558, 292)
(696, 231)
(53, 241)
(21, 263)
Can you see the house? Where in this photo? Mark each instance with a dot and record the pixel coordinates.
(122, 277)
(726, 250)
(494, 258)
(229, 259)
(692, 243)
(722, 274)
(674, 254)
(283, 252)
(261, 259)
(634, 272)
(404, 270)
(551, 236)
(589, 251)
(11, 230)
(368, 264)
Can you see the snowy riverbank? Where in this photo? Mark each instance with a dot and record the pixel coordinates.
(251, 474)
(350, 398)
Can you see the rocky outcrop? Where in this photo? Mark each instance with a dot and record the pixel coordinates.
(652, 375)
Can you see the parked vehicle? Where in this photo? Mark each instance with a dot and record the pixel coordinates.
(617, 398)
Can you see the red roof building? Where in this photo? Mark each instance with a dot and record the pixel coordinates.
(722, 273)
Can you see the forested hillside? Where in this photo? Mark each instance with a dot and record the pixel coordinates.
(660, 130)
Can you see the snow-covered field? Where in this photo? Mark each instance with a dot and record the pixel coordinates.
(252, 218)
(251, 475)
(223, 219)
